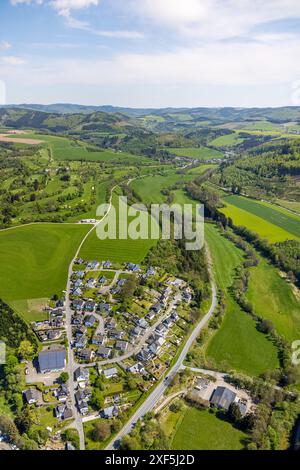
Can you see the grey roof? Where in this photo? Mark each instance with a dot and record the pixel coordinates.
(223, 397)
(52, 359)
(31, 394)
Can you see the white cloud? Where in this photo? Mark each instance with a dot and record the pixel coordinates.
(255, 64)
(214, 19)
(4, 45)
(64, 7)
(12, 60)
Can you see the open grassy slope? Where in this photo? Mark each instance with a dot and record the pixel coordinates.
(237, 342)
(67, 149)
(273, 298)
(35, 259)
(201, 153)
(117, 250)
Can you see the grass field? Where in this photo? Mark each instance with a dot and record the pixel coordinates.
(227, 140)
(292, 205)
(268, 213)
(194, 429)
(117, 250)
(201, 153)
(149, 188)
(237, 343)
(35, 259)
(273, 298)
(67, 149)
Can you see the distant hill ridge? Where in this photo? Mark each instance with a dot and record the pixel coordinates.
(281, 114)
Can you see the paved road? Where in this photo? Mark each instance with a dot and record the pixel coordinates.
(71, 366)
(158, 392)
(137, 348)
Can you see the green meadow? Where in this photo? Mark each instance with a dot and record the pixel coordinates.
(273, 233)
(272, 298)
(228, 140)
(237, 343)
(117, 249)
(195, 429)
(35, 260)
(149, 189)
(201, 153)
(277, 216)
(66, 149)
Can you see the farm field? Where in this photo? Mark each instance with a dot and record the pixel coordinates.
(194, 429)
(35, 260)
(268, 212)
(273, 299)
(227, 140)
(116, 250)
(291, 205)
(201, 169)
(273, 233)
(237, 343)
(149, 188)
(201, 153)
(66, 149)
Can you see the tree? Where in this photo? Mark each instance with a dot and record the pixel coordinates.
(25, 350)
(234, 414)
(64, 377)
(97, 399)
(7, 426)
(101, 431)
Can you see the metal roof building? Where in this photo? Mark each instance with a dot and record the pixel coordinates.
(222, 397)
(52, 359)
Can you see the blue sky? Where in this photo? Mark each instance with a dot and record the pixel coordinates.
(151, 53)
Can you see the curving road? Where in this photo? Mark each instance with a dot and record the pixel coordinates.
(156, 395)
(71, 366)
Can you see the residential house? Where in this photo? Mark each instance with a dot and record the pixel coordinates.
(121, 346)
(82, 401)
(136, 332)
(111, 323)
(103, 352)
(104, 308)
(90, 321)
(77, 292)
(142, 323)
(81, 342)
(150, 315)
(106, 264)
(93, 265)
(144, 355)
(31, 396)
(137, 368)
(89, 306)
(109, 373)
(110, 412)
(77, 304)
(157, 308)
(161, 330)
(62, 393)
(116, 334)
(133, 267)
(81, 374)
(86, 355)
(91, 283)
(98, 340)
